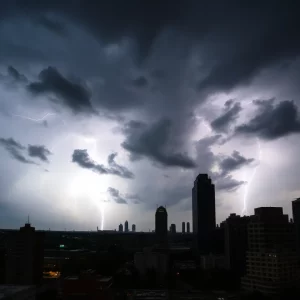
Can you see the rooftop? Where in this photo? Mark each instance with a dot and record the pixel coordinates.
(9, 290)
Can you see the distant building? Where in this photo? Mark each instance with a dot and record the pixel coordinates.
(236, 243)
(296, 218)
(161, 226)
(150, 260)
(173, 228)
(126, 226)
(133, 228)
(272, 256)
(25, 256)
(183, 227)
(212, 261)
(188, 230)
(204, 211)
(121, 227)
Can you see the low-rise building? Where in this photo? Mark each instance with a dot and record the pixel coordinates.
(88, 285)
(17, 292)
(149, 260)
(212, 261)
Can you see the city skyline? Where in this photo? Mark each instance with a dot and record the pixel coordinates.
(102, 122)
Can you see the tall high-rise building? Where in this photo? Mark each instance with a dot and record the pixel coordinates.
(204, 211)
(25, 256)
(272, 264)
(121, 227)
(296, 217)
(188, 230)
(173, 228)
(126, 226)
(161, 226)
(236, 243)
(133, 228)
(183, 227)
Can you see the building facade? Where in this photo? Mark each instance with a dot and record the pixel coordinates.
(126, 226)
(121, 228)
(183, 227)
(236, 243)
(204, 211)
(188, 230)
(296, 218)
(133, 228)
(161, 226)
(272, 264)
(173, 228)
(25, 256)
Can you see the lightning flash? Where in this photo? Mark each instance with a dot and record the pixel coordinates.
(245, 198)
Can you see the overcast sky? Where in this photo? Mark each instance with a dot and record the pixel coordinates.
(110, 109)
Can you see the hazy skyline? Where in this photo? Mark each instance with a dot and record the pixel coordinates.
(114, 108)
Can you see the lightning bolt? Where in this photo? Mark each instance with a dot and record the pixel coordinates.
(102, 216)
(245, 198)
(204, 123)
(39, 119)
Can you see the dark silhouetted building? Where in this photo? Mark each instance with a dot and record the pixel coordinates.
(121, 228)
(25, 256)
(161, 226)
(296, 217)
(133, 228)
(173, 228)
(271, 256)
(188, 230)
(204, 211)
(236, 243)
(126, 227)
(183, 227)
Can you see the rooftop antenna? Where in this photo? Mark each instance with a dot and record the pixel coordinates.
(28, 221)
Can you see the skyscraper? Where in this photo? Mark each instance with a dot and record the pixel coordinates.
(133, 228)
(121, 227)
(204, 211)
(183, 227)
(188, 227)
(126, 226)
(161, 226)
(296, 217)
(173, 228)
(25, 256)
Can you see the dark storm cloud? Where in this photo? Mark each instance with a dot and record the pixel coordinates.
(14, 148)
(115, 194)
(228, 184)
(233, 31)
(140, 81)
(151, 141)
(206, 160)
(52, 25)
(39, 151)
(158, 74)
(234, 162)
(15, 74)
(272, 121)
(75, 96)
(229, 116)
(134, 198)
(82, 158)
(117, 169)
